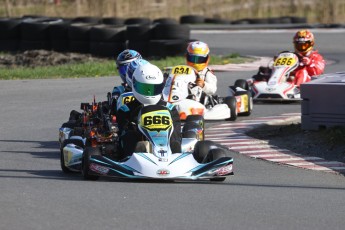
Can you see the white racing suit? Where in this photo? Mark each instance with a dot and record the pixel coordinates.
(210, 80)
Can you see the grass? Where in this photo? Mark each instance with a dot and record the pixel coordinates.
(97, 68)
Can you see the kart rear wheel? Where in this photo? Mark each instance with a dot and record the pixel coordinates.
(213, 155)
(249, 101)
(242, 84)
(86, 162)
(232, 104)
(62, 157)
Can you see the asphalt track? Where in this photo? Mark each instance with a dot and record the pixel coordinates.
(35, 194)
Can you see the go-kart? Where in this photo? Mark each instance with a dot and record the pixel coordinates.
(277, 84)
(189, 98)
(93, 127)
(153, 158)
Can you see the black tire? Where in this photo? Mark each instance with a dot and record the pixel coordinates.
(192, 19)
(298, 19)
(232, 104)
(217, 21)
(59, 31)
(165, 21)
(35, 31)
(59, 45)
(87, 19)
(106, 49)
(86, 163)
(9, 45)
(139, 21)
(113, 21)
(62, 158)
(138, 32)
(34, 45)
(242, 84)
(79, 31)
(171, 31)
(79, 46)
(9, 29)
(106, 33)
(201, 150)
(140, 46)
(249, 101)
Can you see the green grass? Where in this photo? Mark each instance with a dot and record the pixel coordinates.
(97, 68)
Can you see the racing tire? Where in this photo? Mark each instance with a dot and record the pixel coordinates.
(138, 21)
(86, 163)
(192, 19)
(113, 21)
(213, 155)
(249, 101)
(232, 104)
(201, 150)
(62, 158)
(242, 84)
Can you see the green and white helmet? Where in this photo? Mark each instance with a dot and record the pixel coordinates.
(148, 83)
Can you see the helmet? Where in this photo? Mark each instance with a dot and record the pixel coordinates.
(131, 68)
(197, 55)
(303, 41)
(148, 83)
(123, 60)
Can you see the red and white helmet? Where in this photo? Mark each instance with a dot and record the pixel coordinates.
(303, 41)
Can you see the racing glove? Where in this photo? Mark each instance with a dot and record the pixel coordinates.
(199, 82)
(306, 61)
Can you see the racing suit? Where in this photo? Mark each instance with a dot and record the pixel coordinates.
(311, 64)
(127, 118)
(210, 81)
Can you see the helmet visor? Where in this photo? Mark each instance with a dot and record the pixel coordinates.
(147, 89)
(303, 46)
(196, 59)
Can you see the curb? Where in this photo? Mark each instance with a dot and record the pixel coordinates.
(233, 135)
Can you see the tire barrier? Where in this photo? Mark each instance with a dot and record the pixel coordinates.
(9, 34)
(106, 37)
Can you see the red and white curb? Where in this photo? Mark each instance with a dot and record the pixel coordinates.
(233, 136)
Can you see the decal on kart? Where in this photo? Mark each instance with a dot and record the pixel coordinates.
(181, 70)
(156, 121)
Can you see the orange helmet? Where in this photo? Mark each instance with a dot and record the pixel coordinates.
(303, 41)
(197, 55)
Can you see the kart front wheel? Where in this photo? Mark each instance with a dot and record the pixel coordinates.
(201, 150)
(242, 84)
(62, 157)
(232, 104)
(86, 162)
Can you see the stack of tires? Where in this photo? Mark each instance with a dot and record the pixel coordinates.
(168, 38)
(138, 34)
(9, 34)
(34, 33)
(107, 40)
(105, 37)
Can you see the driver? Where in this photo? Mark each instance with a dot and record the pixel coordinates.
(123, 60)
(312, 63)
(147, 86)
(197, 56)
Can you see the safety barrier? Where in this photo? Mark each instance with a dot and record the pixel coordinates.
(323, 104)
